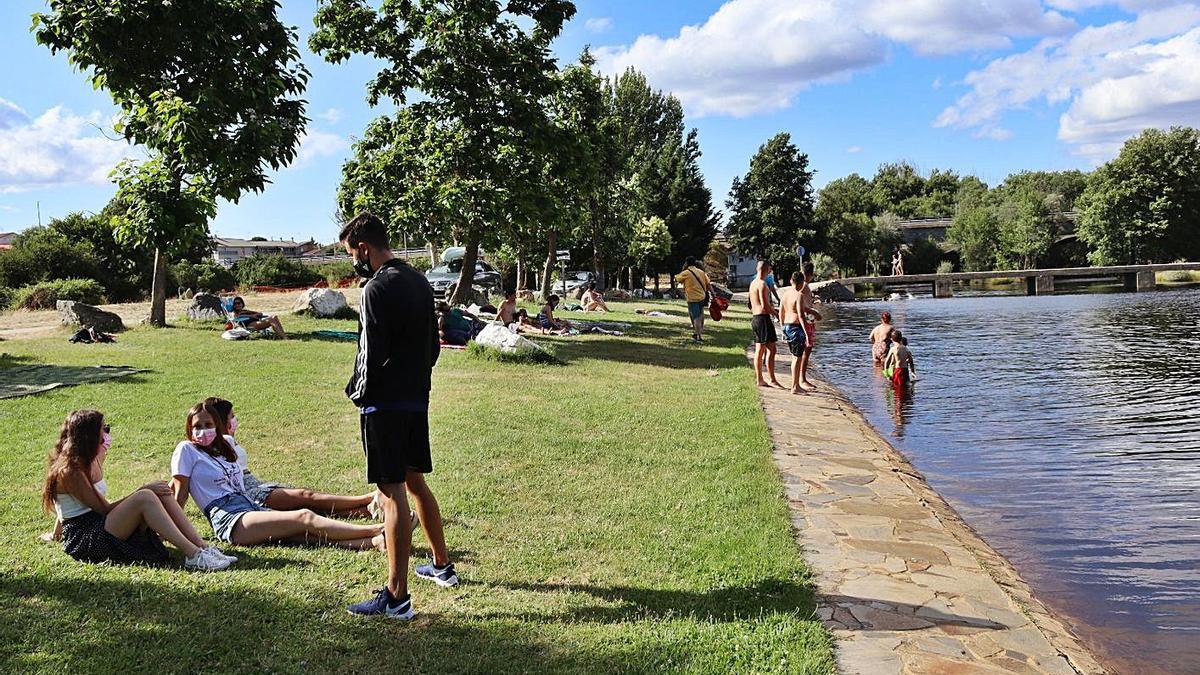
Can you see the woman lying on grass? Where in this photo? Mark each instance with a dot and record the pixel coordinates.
(280, 498)
(206, 468)
(129, 530)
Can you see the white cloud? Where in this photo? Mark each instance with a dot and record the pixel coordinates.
(331, 116)
(56, 148)
(1117, 78)
(598, 24)
(854, 149)
(315, 145)
(753, 56)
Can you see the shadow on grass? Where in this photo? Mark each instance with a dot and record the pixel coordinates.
(26, 380)
(627, 603)
(81, 623)
(722, 348)
(11, 360)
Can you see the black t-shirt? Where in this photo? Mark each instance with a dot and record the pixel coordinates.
(397, 339)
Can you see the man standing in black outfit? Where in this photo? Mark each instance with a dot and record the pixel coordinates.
(397, 349)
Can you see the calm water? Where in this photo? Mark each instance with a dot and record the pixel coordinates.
(1066, 430)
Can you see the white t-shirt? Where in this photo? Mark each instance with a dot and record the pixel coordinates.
(209, 477)
(241, 453)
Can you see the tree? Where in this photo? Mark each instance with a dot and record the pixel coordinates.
(975, 230)
(771, 209)
(1144, 206)
(483, 69)
(209, 87)
(843, 221)
(1025, 228)
(651, 241)
(899, 189)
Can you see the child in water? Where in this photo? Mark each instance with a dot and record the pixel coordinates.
(898, 365)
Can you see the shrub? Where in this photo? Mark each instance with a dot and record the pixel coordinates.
(46, 294)
(420, 264)
(41, 254)
(486, 353)
(1179, 276)
(6, 295)
(207, 275)
(824, 266)
(274, 270)
(945, 267)
(335, 272)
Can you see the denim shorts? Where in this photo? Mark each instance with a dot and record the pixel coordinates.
(256, 490)
(696, 310)
(225, 512)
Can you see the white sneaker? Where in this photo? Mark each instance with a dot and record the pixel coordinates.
(204, 561)
(215, 552)
(375, 508)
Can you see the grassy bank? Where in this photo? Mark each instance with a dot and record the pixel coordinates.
(616, 513)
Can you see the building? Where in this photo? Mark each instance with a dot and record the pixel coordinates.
(741, 269)
(6, 240)
(227, 251)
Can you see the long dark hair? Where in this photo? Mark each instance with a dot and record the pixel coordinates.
(220, 447)
(77, 447)
(224, 408)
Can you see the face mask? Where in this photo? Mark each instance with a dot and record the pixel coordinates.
(232, 424)
(363, 268)
(105, 441)
(204, 436)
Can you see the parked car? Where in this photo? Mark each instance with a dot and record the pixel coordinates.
(575, 281)
(444, 276)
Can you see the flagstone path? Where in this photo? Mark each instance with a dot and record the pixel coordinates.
(904, 584)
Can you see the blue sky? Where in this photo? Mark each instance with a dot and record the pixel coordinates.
(973, 85)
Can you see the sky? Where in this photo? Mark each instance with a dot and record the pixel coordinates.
(987, 87)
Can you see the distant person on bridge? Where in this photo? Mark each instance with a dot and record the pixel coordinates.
(898, 263)
(763, 325)
(881, 338)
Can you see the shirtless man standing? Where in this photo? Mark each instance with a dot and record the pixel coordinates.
(763, 325)
(807, 310)
(791, 318)
(881, 337)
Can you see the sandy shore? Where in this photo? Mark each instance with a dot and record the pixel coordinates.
(22, 324)
(904, 584)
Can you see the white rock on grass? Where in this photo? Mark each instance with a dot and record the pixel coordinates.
(323, 303)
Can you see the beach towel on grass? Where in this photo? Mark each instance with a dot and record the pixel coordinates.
(28, 380)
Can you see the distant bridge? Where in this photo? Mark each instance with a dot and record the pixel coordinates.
(935, 228)
(1037, 282)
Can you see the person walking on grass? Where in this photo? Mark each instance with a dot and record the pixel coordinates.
(397, 349)
(128, 530)
(763, 324)
(791, 317)
(809, 315)
(697, 290)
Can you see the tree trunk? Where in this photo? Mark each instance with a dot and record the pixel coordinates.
(657, 291)
(598, 267)
(466, 276)
(549, 267)
(522, 270)
(432, 254)
(158, 290)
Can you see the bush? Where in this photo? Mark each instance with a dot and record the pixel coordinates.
(945, 267)
(6, 295)
(824, 266)
(207, 275)
(335, 272)
(274, 270)
(486, 353)
(1179, 276)
(41, 254)
(420, 264)
(47, 293)
(923, 257)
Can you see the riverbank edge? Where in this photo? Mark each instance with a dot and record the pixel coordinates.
(1052, 626)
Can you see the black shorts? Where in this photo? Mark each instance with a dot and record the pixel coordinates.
(764, 329)
(395, 442)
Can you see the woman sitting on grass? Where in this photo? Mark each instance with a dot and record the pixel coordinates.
(129, 530)
(548, 321)
(256, 320)
(280, 498)
(206, 468)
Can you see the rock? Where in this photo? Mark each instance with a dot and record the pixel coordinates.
(526, 296)
(81, 315)
(206, 307)
(617, 294)
(832, 291)
(322, 303)
(496, 336)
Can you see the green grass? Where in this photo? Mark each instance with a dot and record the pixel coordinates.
(617, 513)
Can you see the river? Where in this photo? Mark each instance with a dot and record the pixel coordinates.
(1066, 430)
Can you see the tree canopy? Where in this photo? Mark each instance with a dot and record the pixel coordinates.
(771, 208)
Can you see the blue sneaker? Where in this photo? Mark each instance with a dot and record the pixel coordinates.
(442, 576)
(383, 604)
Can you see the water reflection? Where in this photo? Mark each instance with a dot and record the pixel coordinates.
(1066, 429)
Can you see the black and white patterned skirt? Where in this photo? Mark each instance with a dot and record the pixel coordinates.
(86, 540)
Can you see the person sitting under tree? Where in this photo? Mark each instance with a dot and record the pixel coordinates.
(256, 320)
(592, 300)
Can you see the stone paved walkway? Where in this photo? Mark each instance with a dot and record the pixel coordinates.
(904, 584)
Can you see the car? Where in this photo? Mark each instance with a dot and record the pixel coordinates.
(443, 277)
(575, 281)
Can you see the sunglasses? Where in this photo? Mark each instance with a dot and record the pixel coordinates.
(106, 429)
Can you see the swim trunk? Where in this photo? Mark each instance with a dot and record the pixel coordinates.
(795, 336)
(695, 310)
(764, 329)
(395, 442)
(900, 377)
(810, 329)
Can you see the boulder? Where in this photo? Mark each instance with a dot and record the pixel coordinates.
(477, 296)
(206, 307)
(77, 314)
(832, 291)
(498, 337)
(323, 303)
(616, 294)
(526, 296)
